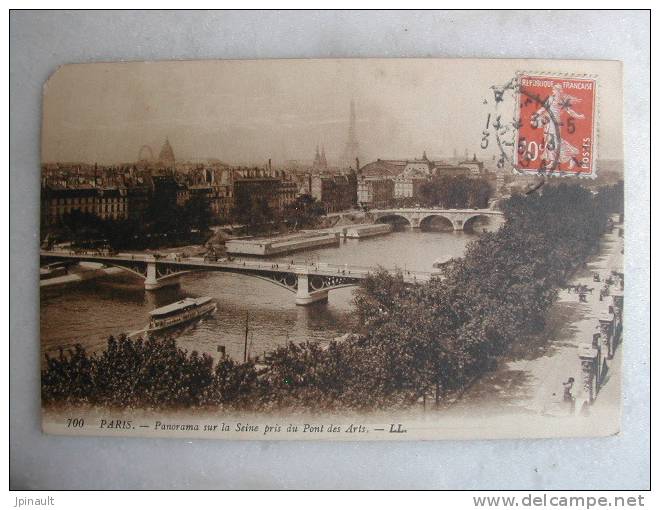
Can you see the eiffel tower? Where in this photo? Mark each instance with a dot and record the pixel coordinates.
(351, 152)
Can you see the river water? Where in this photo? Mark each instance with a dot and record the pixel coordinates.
(88, 312)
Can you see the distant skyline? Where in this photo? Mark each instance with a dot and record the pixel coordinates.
(245, 112)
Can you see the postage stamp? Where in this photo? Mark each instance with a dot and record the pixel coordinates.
(555, 120)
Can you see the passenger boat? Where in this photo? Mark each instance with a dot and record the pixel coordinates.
(183, 311)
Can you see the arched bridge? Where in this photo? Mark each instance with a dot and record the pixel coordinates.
(456, 219)
(309, 282)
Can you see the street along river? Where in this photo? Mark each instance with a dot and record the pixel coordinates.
(88, 312)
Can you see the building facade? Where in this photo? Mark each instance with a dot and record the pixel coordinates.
(257, 189)
(288, 191)
(138, 198)
(375, 192)
(336, 192)
(218, 197)
(408, 186)
(105, 203)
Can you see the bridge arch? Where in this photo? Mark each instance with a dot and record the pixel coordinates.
(136, 270)
(286, 281)
(479, 223)
(394, 219)
(290, 284)
(436, 222)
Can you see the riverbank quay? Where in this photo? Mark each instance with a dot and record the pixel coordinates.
(530, 379)
(355, 231)
(363, 231)
(82, 272)
(264, 247)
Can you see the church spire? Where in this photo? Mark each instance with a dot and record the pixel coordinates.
(324, 162)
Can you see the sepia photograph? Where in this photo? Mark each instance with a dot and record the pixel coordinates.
(344, 249)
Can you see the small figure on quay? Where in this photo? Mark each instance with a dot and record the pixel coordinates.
(568, 387)
(568, 395)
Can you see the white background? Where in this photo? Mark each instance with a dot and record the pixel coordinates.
(40, 41)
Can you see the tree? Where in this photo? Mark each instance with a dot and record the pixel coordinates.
(252, 211)
(303, 212)
(197, 212)
(455, 192)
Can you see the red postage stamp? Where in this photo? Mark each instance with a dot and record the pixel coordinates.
(555, 120)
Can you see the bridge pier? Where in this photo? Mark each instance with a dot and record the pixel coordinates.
(304, 297)
(152, 282)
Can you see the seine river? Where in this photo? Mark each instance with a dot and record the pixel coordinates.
(88, 312)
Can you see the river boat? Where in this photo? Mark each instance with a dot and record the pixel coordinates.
(180, 312)
(52, 271)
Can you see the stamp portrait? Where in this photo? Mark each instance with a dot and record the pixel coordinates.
(556, 126)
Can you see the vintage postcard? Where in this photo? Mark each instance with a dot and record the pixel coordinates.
(351, 249)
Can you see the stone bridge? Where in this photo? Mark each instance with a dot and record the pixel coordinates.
(309, 282)
(455, 219)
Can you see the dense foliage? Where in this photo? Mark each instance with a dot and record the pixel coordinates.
(413, 340)
(455, 192)
(304, 212)
(254, 212)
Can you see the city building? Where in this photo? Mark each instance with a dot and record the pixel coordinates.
(409, 182)
(422, 167)
(288, 191)
(168, 190)
(219, 198)
(138, 198)
(375, 191)
(475, 166)
(336, 192)
(383, 168)
(166, 156)
(408, 186)
(105, 203)
(112, 204)
(257, 188)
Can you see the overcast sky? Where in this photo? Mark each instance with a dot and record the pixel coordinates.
(249, 111)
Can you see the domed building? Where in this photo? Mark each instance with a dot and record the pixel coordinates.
(166, 156)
